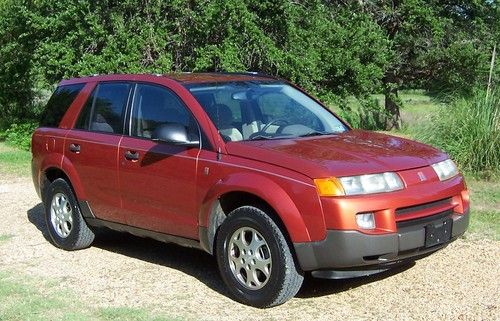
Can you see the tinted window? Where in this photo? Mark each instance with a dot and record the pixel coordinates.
(104, 110)
(155, 106)
(58, 104)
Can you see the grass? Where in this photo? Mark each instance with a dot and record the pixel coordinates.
(417, 107)
(5, 237)
(24, 299)
(469, 130)
(485, 204)
(14, 161)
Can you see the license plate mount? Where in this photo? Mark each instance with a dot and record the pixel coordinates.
(438, 233)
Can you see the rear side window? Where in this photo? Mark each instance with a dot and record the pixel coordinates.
(104, 111)
(58, 104)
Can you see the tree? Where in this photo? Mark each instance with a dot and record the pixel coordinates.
(16, 51)
(334, 49)
(332, 53)
(434, 44)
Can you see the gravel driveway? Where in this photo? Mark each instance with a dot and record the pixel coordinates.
(460, 282)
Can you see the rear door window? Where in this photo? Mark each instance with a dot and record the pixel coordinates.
(104, 111)
(58, 104)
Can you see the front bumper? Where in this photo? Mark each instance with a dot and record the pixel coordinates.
(353, 250)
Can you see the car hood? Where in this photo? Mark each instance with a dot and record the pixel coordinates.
(353, 152)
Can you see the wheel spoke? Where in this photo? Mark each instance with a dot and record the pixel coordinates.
(252, 280)
(237, 241)
(244, 245)
(263, 265)
(256, 243)
(66, 214)
(237, 264)
(65, 228)
(65, 205)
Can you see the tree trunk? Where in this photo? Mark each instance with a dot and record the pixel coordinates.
(492, 65)
(393, 117)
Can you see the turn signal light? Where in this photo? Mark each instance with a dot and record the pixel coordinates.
(329, 186)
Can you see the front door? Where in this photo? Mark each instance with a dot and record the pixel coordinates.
(157, 179)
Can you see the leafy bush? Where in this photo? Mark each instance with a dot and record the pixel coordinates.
(19, 135)
(469, 130)
(368, 115)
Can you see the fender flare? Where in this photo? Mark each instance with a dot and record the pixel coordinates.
(211, 215)
(62, 163)
(48, 162)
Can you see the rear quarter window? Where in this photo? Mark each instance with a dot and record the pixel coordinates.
(58, 104)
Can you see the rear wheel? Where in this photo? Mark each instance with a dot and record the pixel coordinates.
(255, 260)
(67, 228)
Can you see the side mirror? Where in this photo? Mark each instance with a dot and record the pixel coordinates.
(175, 134)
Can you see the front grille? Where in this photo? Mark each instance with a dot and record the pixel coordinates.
(422, 221)
(421, 207)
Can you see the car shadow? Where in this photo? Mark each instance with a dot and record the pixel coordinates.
(196, 263)
(315, 287)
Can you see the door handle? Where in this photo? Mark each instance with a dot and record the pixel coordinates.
(75, 148)
(131, 155)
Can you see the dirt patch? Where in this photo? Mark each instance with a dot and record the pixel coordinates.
(460, 282)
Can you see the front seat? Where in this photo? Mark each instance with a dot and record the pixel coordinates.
(222, 116)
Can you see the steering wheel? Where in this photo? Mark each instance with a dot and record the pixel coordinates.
(281, 121)
(261, 132)
(276, 121)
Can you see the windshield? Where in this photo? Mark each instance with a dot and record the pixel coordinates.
(249, 110)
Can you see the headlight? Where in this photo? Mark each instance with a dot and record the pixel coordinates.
(445, 169)
(355, 185)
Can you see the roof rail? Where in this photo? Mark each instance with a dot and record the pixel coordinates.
(246, 73)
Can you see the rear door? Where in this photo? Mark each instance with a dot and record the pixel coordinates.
(157, 179)
(92, 148)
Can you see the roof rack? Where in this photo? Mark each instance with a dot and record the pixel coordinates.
(245, 73)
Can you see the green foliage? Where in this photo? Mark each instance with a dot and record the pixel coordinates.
(366, 113)
(436, 46)
(334, 49)
(329, 51)
(16, 82)
(19, 135)
(469, 130)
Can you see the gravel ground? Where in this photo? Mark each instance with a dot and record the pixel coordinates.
(460, 282)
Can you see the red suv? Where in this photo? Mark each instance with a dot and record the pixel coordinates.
(246, 167)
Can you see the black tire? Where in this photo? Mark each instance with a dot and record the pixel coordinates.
(285, 277)
(78, 234)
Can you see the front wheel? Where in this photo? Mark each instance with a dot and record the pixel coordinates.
(255, 260)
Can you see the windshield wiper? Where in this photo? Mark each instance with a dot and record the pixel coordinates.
(265, 137)
(314, 133)
(260, 137)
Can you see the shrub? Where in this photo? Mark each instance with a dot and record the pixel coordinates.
(19, 135)
(469, 130)
(369, 114)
